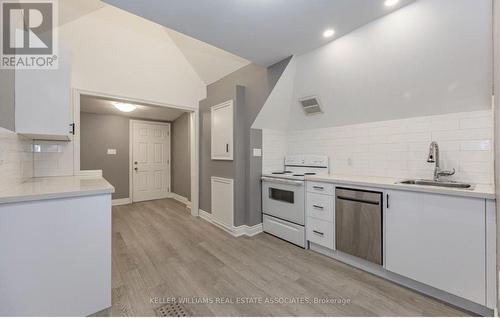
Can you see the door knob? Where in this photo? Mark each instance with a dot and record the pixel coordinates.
(136, 169)
(135, 162)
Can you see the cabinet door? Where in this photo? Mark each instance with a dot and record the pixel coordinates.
(43, 103)
(438, 240)
(222, 131)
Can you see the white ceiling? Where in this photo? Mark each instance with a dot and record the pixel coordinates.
(262, 31)
(96, 105)
(209, 62)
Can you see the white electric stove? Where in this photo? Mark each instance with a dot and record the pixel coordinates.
(283, 196)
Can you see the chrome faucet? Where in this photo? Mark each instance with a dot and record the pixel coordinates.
(434, 158)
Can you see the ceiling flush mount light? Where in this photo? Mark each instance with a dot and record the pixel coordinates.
(126, 108)
(328, 33)
(390, 3)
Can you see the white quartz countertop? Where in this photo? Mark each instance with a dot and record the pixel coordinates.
(36, 189)
(479, 191)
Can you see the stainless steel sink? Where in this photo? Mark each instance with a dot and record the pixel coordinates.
(432, 183)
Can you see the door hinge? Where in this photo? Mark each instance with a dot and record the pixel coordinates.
(72, 128)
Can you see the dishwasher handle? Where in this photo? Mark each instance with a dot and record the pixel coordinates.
(358, 200)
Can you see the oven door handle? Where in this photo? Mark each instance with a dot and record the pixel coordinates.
(283, 181)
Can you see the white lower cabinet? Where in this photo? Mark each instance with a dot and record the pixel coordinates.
(320, 232)
(320, 206)
(55, 256)
(320, 214)
(438, 240)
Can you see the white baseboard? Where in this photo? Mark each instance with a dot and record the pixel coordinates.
(181, 199)
(235, 231)
(121, 201)
(205, 215)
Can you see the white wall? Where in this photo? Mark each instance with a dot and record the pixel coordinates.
(430, 57)
(274, 112)
(118, 53)
(388, 89)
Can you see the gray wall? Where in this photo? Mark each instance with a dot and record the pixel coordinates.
(249, 88)
(98, 134)
(7, 99)
(181, 157)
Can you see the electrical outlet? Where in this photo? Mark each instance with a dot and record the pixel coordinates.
(257, 152)
(111, 151)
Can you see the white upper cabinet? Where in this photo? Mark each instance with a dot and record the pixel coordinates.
(43, 103)
(438, 240)
(222, 131)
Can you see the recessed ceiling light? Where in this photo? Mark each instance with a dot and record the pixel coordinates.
(126, 108)
(390, 3)
(328, 33)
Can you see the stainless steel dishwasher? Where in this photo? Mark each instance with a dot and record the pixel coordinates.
(358, 223)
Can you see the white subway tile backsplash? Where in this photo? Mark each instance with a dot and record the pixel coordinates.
(438, 124)
(55, 159)
(473, 167)
(273, 150)
(476, 122)
(16, 159)
(396, 148)
(475, 145)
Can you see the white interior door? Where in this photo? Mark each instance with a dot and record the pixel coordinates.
(150, 160)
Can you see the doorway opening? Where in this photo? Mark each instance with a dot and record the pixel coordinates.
(144, 150)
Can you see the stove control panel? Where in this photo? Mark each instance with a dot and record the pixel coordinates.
(307, 161)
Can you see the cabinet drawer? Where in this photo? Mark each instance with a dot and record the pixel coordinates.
(285, 230)
(320, 232)
(320, 187)
(320, 206)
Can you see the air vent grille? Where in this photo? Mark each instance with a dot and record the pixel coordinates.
(311, 105)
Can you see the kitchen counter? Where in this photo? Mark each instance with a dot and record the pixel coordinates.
(46, 188)
(479, 191)
(56, 232)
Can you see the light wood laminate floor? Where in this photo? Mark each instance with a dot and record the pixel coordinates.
(160, 250)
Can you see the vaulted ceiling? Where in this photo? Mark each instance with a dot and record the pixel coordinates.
(209, 62)
(262, 31)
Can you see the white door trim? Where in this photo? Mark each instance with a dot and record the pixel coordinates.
(131, 154)
(195, 160)
(194, 134)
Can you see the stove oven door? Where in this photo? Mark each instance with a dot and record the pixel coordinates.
(284, 199)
